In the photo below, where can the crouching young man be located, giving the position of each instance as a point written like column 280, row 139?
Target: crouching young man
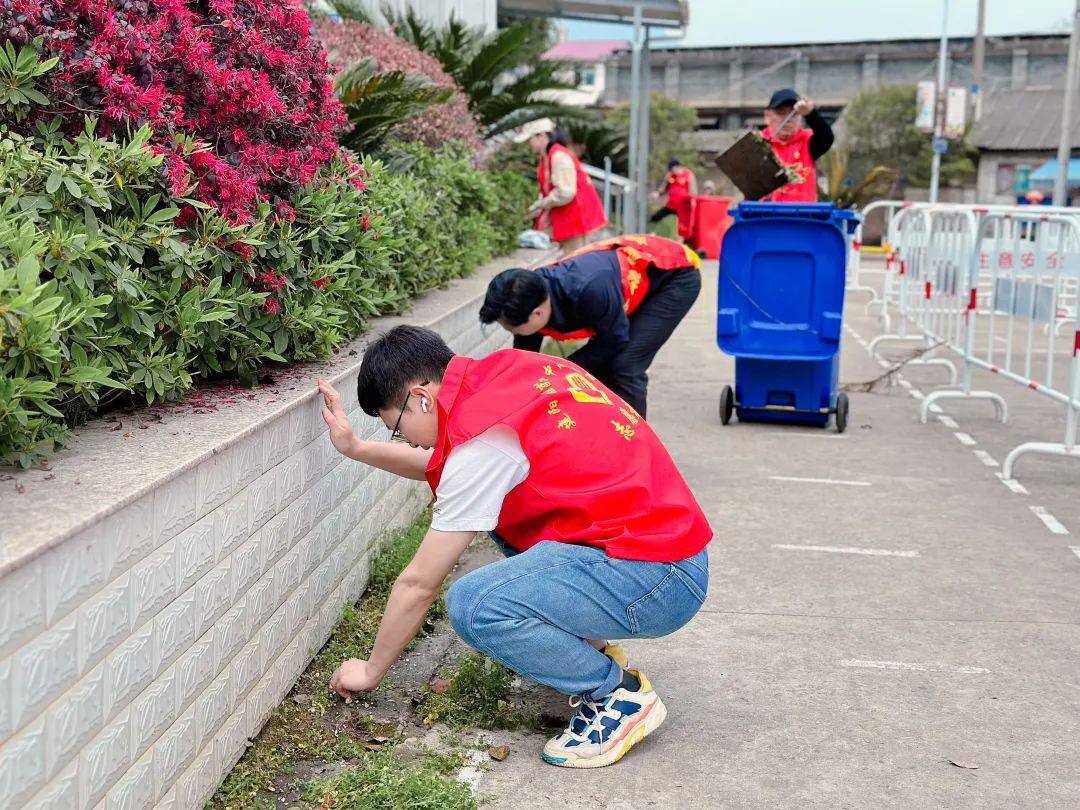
column 603, row 538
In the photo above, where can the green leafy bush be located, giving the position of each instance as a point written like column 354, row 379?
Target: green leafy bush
column 448, row 215
column 110, row 288
column 106, row 284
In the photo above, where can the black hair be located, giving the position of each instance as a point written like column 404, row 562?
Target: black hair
column 557, row 136
column 512, row 296
column 673, row 163
column 402, row 356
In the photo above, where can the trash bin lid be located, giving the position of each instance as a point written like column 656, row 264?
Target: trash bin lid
column 781, row 288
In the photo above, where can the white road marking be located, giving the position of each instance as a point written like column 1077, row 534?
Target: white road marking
column 870, row 552
column 820, row 481
column 1075, row 550
column 883, row 363
column 986, row 458
column 787, row 434
column 936, row 409
column 1051, row 522
column 902, row 665
column 965, row 439
column 915, row 392
column 1013, row 484
column 905, row 383
column 948, row 422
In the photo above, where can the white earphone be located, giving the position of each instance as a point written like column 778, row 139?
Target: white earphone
column 424, row 405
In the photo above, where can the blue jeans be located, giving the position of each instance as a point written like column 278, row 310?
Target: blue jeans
column 533, row 611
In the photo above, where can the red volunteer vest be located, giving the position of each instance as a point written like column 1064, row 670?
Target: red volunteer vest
column 678, row 187
column 796, row 153
column 583, row 214
column 598, row 475
column 635, row 251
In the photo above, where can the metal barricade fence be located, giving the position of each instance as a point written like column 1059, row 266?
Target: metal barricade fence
column 855, row 257
column 1067, row 300
column 944, row 276
column 894, row 236
column 931, row 254
column 898, row 221
column 1027, row 264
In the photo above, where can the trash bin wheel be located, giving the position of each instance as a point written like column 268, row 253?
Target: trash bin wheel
column 841, row 413
column 727, row 404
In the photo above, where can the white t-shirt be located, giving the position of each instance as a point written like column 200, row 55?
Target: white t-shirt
column 476, row 477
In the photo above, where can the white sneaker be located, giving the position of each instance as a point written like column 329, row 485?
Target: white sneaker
column 603, row 730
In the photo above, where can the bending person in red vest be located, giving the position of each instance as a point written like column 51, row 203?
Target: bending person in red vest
column 568, row 203
column 626, row 294
column 679, row 185
column 795, row 145
column 603, row 538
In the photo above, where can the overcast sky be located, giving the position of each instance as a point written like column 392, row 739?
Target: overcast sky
column 725, row 22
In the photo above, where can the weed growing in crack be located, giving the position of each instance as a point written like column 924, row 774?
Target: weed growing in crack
column 478, row 696
column 382, row 782
column 300, row 729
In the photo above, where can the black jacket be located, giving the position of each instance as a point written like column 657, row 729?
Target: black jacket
column 821, row 140
column 586, row 293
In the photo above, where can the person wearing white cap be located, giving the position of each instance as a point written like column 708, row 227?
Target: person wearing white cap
column 568, row 204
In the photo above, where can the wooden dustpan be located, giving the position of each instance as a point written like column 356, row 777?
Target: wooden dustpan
column 752, row 165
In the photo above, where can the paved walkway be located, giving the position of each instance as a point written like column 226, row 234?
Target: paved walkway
column 819, row 677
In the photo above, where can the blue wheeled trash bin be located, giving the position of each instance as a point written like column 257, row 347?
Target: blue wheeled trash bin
column 780, row 312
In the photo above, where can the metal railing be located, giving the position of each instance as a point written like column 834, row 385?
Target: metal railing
column 617, row 193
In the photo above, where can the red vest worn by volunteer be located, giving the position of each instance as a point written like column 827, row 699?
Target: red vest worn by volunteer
column 678, row 187
column 636, row 252
column 795, row 153
column 598, row 475
column 583, row 214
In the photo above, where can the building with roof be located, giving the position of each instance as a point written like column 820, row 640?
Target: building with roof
column 1017, row 137
column 729, row 86
column 589, row 73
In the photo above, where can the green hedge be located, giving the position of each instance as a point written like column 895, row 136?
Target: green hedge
column 103, row 296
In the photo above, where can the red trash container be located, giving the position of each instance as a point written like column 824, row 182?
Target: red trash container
column 709, row 220
column 684, row 215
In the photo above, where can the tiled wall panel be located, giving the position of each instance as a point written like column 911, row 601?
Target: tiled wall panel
column 138, row 657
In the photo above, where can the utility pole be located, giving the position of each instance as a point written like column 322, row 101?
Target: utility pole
column 978, row 63
column 1065, row 144
column 942, row 95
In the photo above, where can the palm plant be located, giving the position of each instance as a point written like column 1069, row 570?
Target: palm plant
column 505, row 85
column 876, row 184
column 376, row 102
column 598, row 140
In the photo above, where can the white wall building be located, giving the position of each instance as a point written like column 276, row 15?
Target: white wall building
column 590, row 71
column 473, row 12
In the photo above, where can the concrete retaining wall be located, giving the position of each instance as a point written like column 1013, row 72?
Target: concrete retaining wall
column 164, row 583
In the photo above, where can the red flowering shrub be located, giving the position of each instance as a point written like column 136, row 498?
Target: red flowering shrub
column 243, row 78
column 349, row 41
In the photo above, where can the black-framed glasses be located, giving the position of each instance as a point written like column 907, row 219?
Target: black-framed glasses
column 395, row 434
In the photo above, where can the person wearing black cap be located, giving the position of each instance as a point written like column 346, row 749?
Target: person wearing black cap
column 796, row 146
column 679, row 184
